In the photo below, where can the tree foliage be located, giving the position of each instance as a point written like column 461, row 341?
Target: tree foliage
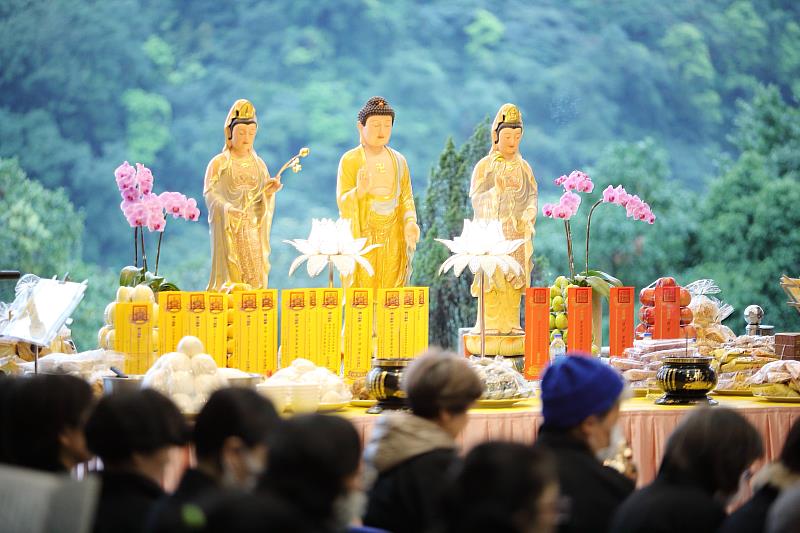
column 640, row 93
column 442, row 215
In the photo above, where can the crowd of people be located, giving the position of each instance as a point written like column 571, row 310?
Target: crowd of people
column 256, row 472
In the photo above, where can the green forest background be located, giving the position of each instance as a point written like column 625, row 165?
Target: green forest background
column 692, row 105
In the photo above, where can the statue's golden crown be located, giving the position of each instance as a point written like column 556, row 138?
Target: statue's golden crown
column 512, row 115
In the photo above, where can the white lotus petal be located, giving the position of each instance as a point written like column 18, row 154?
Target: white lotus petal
column 500, row 248
column 296, row 263
column 346, row 264
column 316, row 264
column 460, row 262
column 364, row 264
column 474, row 263
column 451, row 245
column 488, row 264
column 513, row 264
column 368, row 249
column 447, row 264
column 329, row 247
column 303, row 246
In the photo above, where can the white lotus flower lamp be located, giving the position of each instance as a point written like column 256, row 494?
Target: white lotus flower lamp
column 483, row 248
column 331, row 244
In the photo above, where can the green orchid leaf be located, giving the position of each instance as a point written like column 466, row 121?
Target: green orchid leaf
column 599, row 286
column 168, row 286
column 603, row 275
column 129, row 276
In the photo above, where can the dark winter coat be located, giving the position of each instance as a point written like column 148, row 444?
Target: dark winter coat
column 411, row 457
column 593, row 491
column 126, row 500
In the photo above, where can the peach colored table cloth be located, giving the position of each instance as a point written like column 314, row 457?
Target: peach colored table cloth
column 646, row 425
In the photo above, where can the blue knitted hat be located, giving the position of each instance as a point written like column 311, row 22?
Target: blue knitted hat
column 576, row 387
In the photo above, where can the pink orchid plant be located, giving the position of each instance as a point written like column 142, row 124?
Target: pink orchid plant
column 143, row 208
column 567, row 207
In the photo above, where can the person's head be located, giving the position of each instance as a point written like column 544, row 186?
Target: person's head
column 230, row 436
column 135, row 431
column 790, row 455
column 8, row 385
column 440, row 386
column 507, row 130
column 314, row 463
column 518, row 488
column 375, row 121
column 581, row 396
column 46, row 416
column 241, row 126
column 784, row 514
column 711, row 448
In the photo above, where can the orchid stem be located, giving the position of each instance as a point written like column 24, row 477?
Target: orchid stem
column 158, row 250
column 588, row 227
column 144, row 254
column 569, row 249
column 330, row 274
column 136, row 247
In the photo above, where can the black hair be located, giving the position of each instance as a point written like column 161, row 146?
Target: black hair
column 233, row 412
column 7, row 386
column 125, row 423
column 711, row 448
column 310, row 457
column 38, row 409
column 510, row 478
column 236, row 121
column 377, row 105
column 790, row 455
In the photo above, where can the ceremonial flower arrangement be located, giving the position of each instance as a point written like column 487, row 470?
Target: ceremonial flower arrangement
column 483, row 248
column 331, row 244
column 567, row 207
column 142, row 209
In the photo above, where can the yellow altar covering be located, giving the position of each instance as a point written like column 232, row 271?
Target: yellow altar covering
column 646, row 425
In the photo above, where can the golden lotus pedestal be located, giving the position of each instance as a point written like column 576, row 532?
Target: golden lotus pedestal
column 510, row 346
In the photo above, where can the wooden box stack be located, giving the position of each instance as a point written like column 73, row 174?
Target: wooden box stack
column 787, row 345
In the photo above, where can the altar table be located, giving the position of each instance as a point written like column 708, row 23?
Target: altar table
column 646, row 426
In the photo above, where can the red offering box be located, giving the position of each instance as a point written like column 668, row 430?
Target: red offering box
column 537, row 331
column 668, row 313
column 621, row 319
column 579, row 320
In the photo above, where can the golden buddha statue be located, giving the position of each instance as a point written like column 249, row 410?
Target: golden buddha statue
column 373, row 191
column 503, row 188
column 240, row 195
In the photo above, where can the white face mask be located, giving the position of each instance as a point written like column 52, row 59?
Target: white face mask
column 254, row 468
column 615, row 442
column 349, row 507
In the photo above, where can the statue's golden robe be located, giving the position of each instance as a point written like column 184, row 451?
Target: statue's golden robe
column 239, row 254
column 380, row 219
column 506, row 191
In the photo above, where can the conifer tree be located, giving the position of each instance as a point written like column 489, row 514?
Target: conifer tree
column 444, row 208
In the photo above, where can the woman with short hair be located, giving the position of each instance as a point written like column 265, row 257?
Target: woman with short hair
column 773, row 480
column 707, row 460
column 133, row 434
column 410, row 453
column 43, row 422
column 518, row 488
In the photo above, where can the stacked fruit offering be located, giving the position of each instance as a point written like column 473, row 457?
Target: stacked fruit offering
column 558, row 307
column 106, row 336
column 647, row 312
